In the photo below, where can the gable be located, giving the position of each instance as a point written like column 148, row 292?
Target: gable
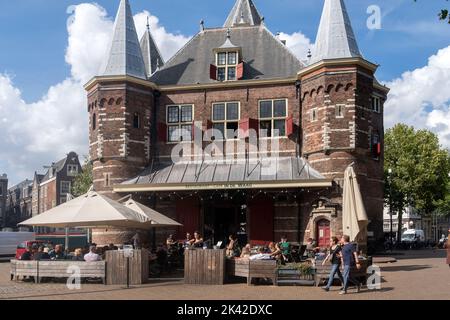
column 265, row 57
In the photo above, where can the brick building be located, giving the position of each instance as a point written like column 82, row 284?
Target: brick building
column 3, row 196
column 18, row 203
column 50, row 189
column 235, row 93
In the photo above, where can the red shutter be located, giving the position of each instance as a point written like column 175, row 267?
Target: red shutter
column 289, row 126
column 213, row 72
column 162, row 132
column 378, row 148
column 254, row 124
column 240, row 71
column 244, row 125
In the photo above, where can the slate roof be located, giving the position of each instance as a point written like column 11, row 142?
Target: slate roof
column 264, row 56
column 243, row 12
column 125, row 56
column 335, row 38
column 287, row 169
column 150, row 52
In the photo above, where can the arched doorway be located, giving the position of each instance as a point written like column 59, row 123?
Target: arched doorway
column 323, row 232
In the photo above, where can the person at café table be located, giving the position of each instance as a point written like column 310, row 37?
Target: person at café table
column 233, row 247
column 275, row 251
column 170, row 241
column 58, row 253
column 78, row 255
column 246, row 251
column 197, row 242
column 92, row 255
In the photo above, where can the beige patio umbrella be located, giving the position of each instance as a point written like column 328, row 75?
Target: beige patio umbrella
column 157, row 219
column 354, row 214
column 91, row 210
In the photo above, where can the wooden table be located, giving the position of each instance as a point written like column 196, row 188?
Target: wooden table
column 204, row 266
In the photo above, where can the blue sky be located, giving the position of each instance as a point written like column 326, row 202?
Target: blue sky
column 34, row 37
column 45, row 59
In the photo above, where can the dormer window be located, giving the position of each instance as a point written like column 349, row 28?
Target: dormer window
column 226, row 66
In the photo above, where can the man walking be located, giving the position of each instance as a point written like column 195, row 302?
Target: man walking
column 349, row 258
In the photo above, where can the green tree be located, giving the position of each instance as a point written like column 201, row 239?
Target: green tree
column 84, row 180
column 444, row 14
column 416, row 171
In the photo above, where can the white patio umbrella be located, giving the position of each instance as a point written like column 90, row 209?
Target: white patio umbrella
column 157, row 219
column 91, row 210
column 355, row 219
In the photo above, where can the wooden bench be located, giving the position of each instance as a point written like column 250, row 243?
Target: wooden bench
column 57, row 269
column 252, row 269
column 323, row 272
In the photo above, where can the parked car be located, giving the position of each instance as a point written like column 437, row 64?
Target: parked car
column 10, row 240
column 413, row 239
column 21, row 248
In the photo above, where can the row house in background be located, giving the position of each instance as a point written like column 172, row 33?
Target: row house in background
column 18, row 203
column 3, row 195
column 51, row 189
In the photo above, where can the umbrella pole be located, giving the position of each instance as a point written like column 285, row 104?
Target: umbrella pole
column 67, row 239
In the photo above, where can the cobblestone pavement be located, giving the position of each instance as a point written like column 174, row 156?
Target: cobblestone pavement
column 416, row 275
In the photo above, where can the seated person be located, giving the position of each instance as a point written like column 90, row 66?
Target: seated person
column 58, row 253
column 275, row 250
column 92, row 255
column 187, row 241
column 112, row 247
column 246, row 251
column 285, row 246
column 233, row 249
column 170, row 241
column 27, row 255
column 78, row 255
column 261, row 255
column 197, row 242
column 41, row 254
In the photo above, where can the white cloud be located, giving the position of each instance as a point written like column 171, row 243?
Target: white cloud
column 298, row 43
column 36, row 134
column 168, row 43
column 421, row 97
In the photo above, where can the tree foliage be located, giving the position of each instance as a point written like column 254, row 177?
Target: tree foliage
column 444, row 14
column 419, row 170
column 84, row 180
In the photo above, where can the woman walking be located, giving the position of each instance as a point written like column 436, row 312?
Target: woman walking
column 335, row 258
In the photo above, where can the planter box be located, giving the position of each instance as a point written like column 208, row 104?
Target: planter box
column 295, row 277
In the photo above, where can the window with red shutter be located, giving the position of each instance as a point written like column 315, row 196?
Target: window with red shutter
column 240, row 71
column 244, row 126
column 289, row 126
column 213, row 72
column 162, row 132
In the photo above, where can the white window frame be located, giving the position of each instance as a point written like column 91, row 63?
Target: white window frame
column 314, row 114
column 376, row 104
column 72, row 173
column 273, row 118
column 340, row 107
column 61, row 187
column 178, row 124
column 227, row 65
column 226, row 121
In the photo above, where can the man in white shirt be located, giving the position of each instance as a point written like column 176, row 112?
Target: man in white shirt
column 92, row 256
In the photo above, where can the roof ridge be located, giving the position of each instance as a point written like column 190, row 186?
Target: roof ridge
column 179, row 51
column 283, row 45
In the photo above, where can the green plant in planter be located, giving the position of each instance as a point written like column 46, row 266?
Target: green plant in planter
column 305, row 269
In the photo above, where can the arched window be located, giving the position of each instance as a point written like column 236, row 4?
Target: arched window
column 94, row 121
column 136, row 121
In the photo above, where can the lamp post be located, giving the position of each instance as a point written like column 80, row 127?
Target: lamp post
column 390, row 206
